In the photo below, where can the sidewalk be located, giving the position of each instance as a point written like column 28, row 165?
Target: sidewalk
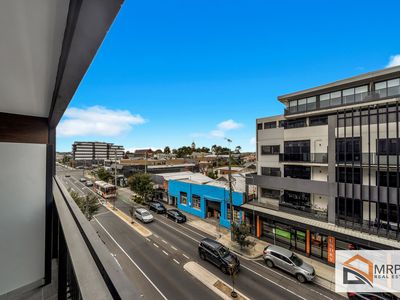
column 325, row 274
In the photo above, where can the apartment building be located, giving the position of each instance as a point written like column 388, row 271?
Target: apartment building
column 328, row 168
column 96, row 151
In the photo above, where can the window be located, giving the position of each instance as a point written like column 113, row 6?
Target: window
column 297, row 151
column 183, row 198
column 319, row 120
column 302, row 105
column 293, row 106
column 336, row 98
column 259, row 126
column 266, row 171
column 270, row 193
column 344, row 209
column 324, row 100
column 297, row 172
column 282, row 123
column 196, row 201
column 382, row 178
column 388, row 88
column 388, row 146
column 348, row 175
column 348, row 96
column 383, row 213
column 236, row 215
column 270, row 150
column 360, row 93
column 348, row 149
column 297, row 200
column 311, row 103
column 295, row 123
column 268, row 125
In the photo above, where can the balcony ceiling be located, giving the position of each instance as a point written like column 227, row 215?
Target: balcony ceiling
column 31, row 35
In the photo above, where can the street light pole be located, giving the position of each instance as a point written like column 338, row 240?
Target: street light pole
column 115, row 176
column 230, row 185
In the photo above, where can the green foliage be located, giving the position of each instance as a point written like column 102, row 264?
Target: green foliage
column 167, row 150
column 88, row 204
column 212, row 174
column 184, row 151
column 240, row 233
column 66, row 160
column 103, row 174
column 218, row 150
column 137, row 199
column 141, row 184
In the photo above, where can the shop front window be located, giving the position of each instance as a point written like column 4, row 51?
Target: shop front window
column 183, row 198
column 319, row 245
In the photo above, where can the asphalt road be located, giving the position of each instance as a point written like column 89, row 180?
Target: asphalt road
column 156, row 264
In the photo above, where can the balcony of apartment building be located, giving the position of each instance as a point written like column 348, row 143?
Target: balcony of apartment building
column 48, row 248
column 352, row 92
column 298, row 152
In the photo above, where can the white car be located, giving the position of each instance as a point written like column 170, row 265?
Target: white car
column 143, row 215
column 89, row 183
column 83, row 179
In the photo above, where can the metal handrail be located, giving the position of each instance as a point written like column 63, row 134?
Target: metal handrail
column 321, row 158
column 98, row 276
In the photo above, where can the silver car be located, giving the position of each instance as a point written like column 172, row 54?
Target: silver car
column 143, row 215
column 275, row 256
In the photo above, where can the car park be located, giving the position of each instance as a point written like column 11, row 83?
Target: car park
column 158, row 207
column 219, row 255
column 176, row 215
column 143, row 215
column 275, row 256
column 82, row 179
column 89, row 183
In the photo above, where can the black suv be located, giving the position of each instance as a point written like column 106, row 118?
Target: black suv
column 219, row 255
column 157, row 207
column 176, row 215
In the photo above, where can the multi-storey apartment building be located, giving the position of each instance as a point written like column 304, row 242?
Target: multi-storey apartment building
column 328, row 168
column 96, row 151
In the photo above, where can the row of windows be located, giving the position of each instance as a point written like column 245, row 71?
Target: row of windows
column 297, row 123
column 347, row 96
column 195, row 200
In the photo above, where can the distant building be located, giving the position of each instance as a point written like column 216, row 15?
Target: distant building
column 96, row 151
column 143, row 153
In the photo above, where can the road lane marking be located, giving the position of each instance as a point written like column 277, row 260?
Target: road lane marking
column 115, row 257
column 273, row 282
column 165, row 252
column 156, row 235
column 136, row 265
column 164, row 241
column 155, row 245
column 174, row 248
column 176, row 261
column 186, row 256
column 147, row 239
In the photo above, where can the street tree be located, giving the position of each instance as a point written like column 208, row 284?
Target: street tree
column 88, row 204
column 141, row 184
column 167, row 150
column 240, row 234
column 103, row 174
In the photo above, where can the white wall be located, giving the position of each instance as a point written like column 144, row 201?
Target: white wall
column 319, row 173
column 318, row 136
column 320, row 202
column 22, row 214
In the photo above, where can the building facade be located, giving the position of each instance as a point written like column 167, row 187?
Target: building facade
column 328, row 168
column 96, row 151
column 206, row 200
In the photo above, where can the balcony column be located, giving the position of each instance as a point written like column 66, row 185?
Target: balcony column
column 332, row 122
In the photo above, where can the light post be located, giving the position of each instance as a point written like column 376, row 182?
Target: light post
column 230, row 186
column 115, row 177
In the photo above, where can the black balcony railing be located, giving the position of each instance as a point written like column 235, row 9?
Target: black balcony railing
column 86, row 270
column 303, row 211
column 345, row 100
column 366, row 158
column 321, row 158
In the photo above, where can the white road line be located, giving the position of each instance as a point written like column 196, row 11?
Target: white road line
column 113, row 255
column 174, row 248
column 156, row 235
column 186, row 256
column 176, row 261
column 122, row 249
column 277, row 284
column 293, row 280
column 147, row 239
column 164, row 241
column 165, row 252
column 155, row 245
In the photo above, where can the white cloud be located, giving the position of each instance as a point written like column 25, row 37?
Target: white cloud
column 394, row 61
column 229, row 125
column 253, row 140
column 217, row 133
column 98, row 121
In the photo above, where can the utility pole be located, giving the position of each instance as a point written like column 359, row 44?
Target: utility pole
column 115, row 176
column 230, row 185
column 145, row 162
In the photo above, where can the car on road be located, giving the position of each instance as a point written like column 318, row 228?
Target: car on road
column 67, row 175
column 275, row 256
column 158, row 207
column 219, row 255
column 176, row 215
column 372, row 296
column 82, row 179
column 89, row 183
column 143, row 215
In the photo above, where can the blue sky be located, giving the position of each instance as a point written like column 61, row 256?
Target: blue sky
column 171, row 72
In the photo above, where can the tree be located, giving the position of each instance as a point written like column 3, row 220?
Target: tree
column 158, row 151
column 167, row 150
column 141, row 184
column 103, row 174
column 212, row 174
column 205, row 150
column 88, row 204
column 240, row 233
column 238, row 149
column 131, row 212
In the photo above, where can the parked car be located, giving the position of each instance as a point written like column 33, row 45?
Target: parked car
column 143, row 215
column 67, row 175
column 372, row 296
column 176, row 215
column 82, row 179
column 157, row 207
column 219, row 255
column 89, row 183
column 275, row 256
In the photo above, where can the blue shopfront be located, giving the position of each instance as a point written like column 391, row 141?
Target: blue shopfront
column 206, row 201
